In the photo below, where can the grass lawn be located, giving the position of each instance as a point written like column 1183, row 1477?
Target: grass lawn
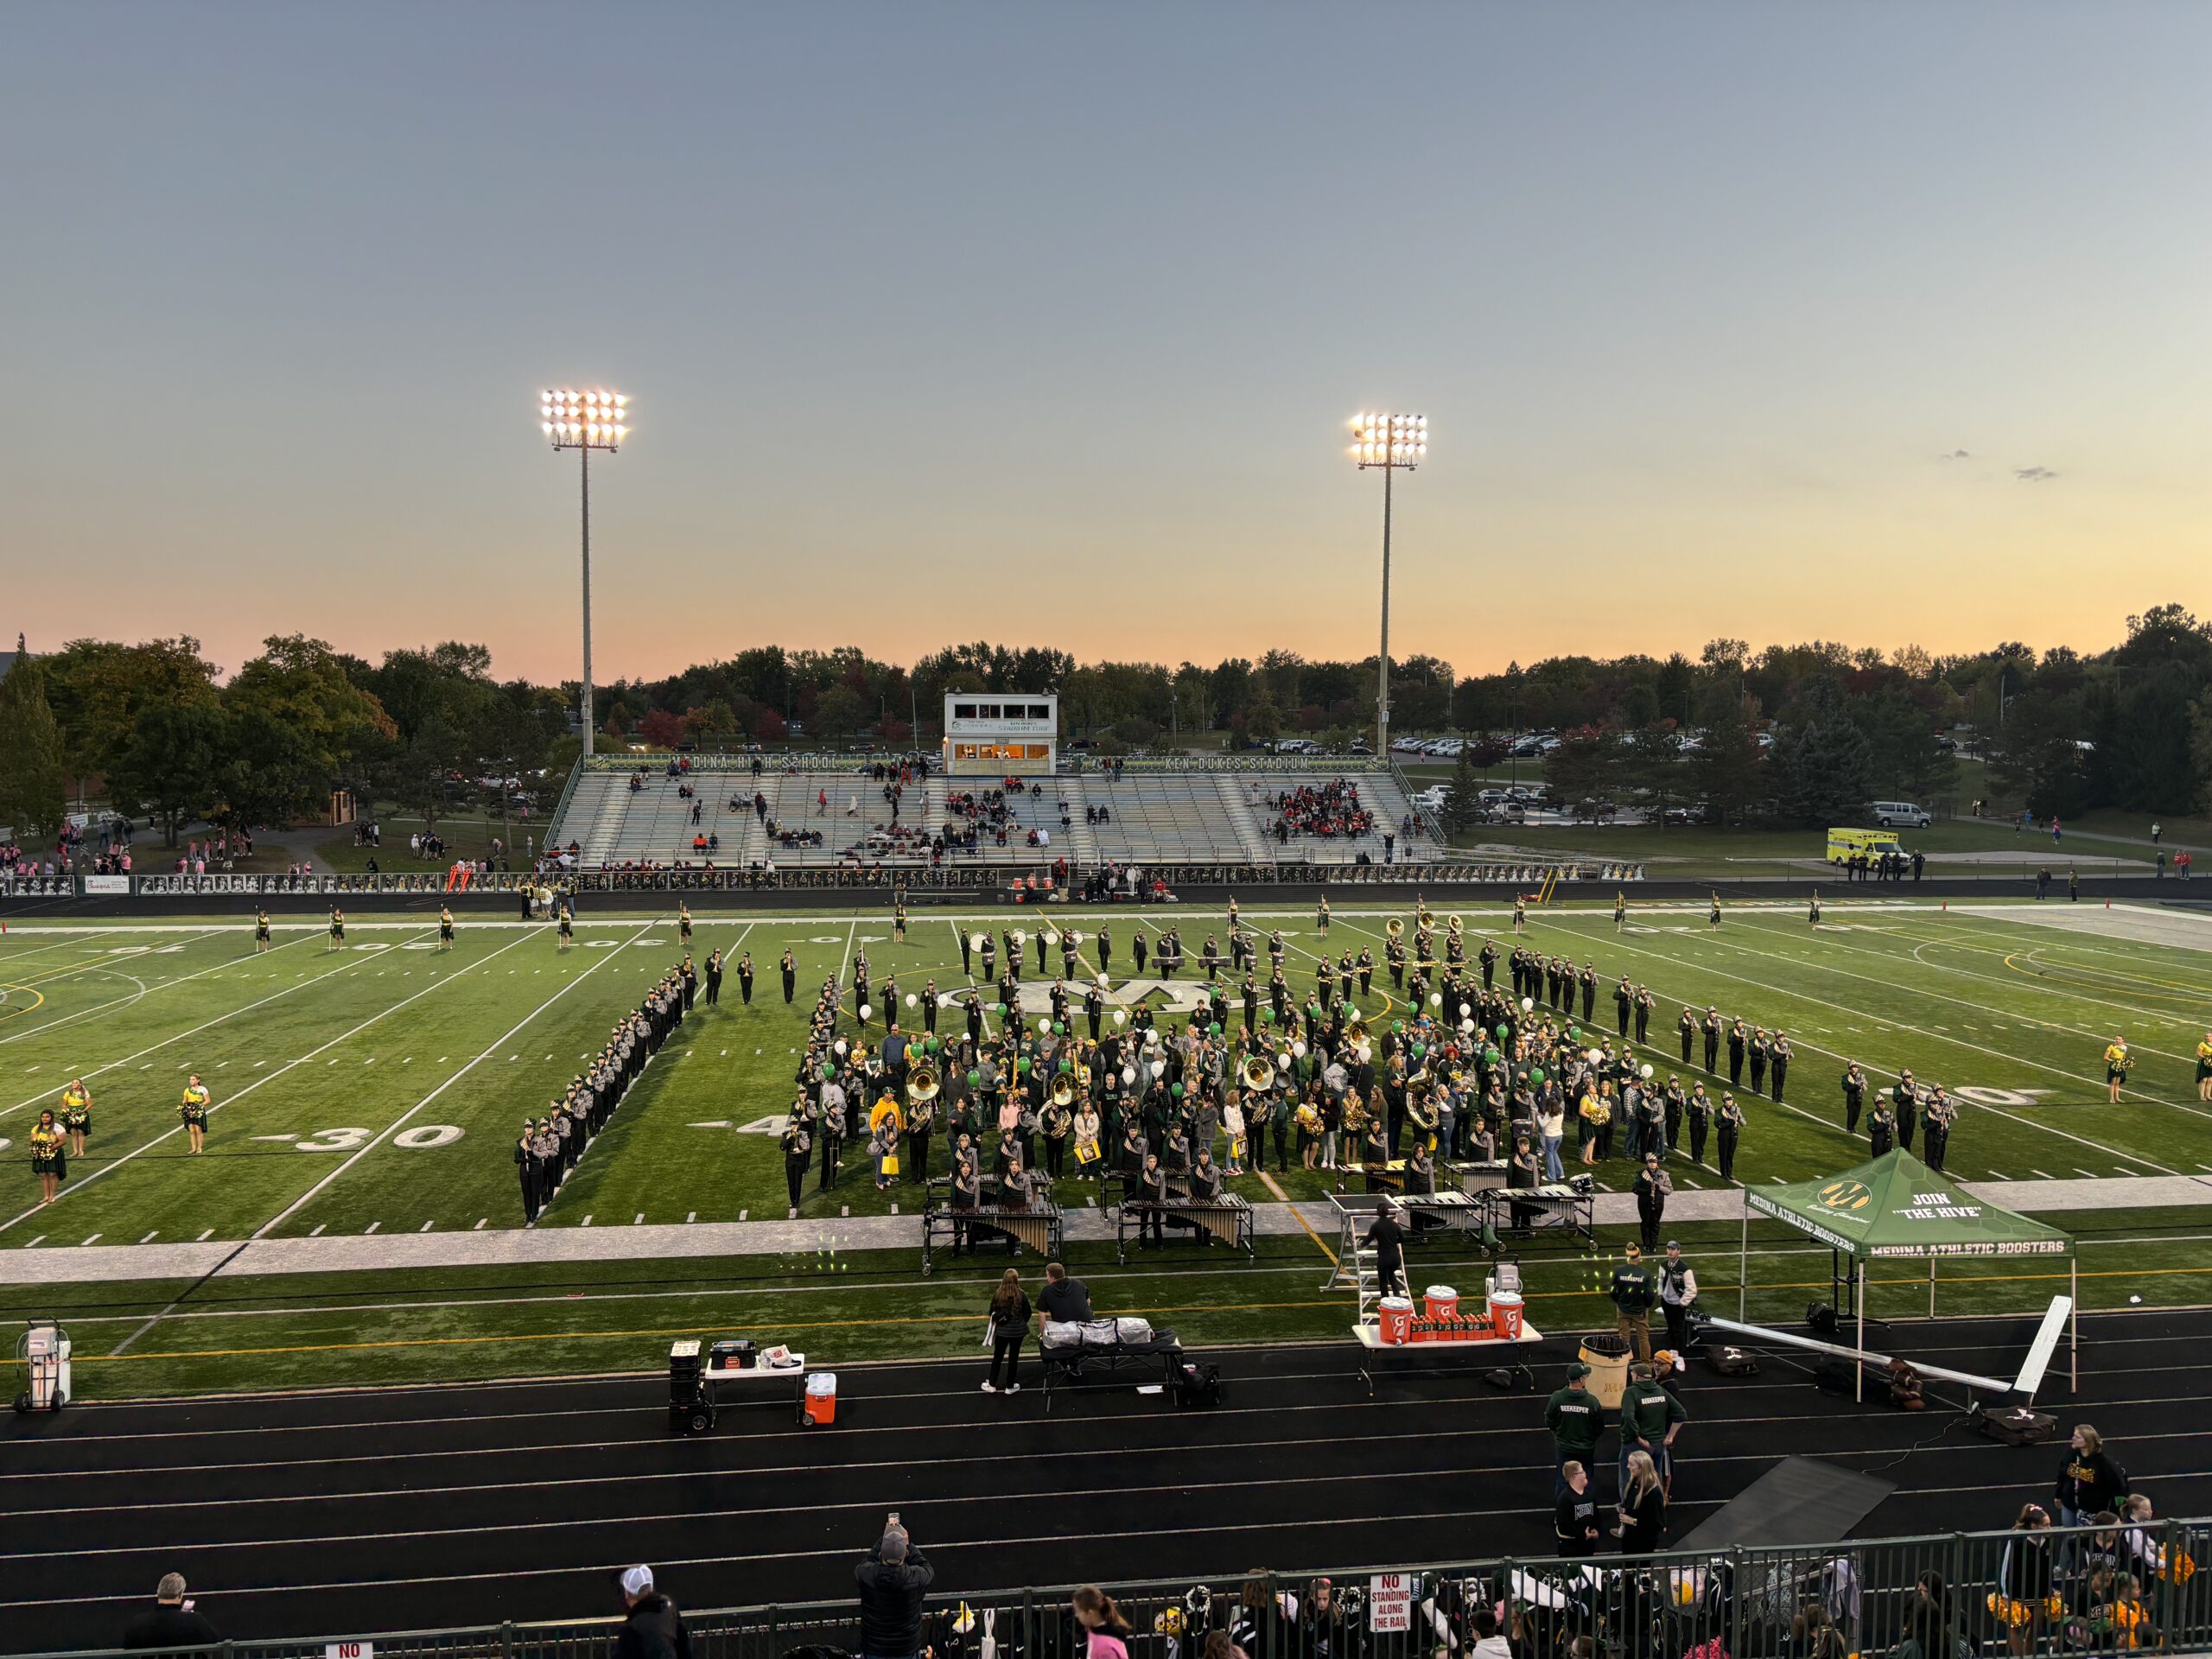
column 377, row 1090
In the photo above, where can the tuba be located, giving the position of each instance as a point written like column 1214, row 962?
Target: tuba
column 923, row 1083
column 1258, row 1072
column 1356, row 1031
column 1062, row 1089
column 1394, row 927
column 1452, row 923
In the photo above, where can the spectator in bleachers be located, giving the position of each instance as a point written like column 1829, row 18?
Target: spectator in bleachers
column 172, row 1622
column 651, row 1628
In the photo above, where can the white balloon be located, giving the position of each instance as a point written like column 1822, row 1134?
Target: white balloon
column 841, row 1046
column 1366, row 1051
column 1129, row 1076
column 1526, row 1003
column 1596, row 1055
column 942, row 1000
column 1644, row 1069
column 1466, row 1009
column 1121, row 1016
column 1298, row 1049
column 912, row 1000
column 1282, row 1062
column 865, row 1012
column 1044, row 1022
column 1436, row 999
column 1104, row 981
column 1467, row 1026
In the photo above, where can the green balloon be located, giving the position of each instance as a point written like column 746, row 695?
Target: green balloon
column 827, row 1072
column 1490, row 1057
column 1176, row 1089
column 1067, row 1065
column 1022, row 1066
column 1060, row 1029
column 932, row 1044
column 1535, row 1074
column 998, row 1008
column 1503, row 1031
column 1420, row 1049
column 1267, row 1016
column 1214, row 1028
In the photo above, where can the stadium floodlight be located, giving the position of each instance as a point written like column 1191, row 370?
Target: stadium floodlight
column 585, row 420
column 1396, row 443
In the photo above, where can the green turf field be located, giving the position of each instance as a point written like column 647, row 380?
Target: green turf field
column 378, row 1088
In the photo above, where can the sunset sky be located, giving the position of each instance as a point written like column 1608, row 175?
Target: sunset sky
column 1041, row 324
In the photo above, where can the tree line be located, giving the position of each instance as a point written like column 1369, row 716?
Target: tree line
column 1793, row 733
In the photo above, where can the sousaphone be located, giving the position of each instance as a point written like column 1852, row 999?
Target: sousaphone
column 1258, row 1072
column 1063, row 1090
column 923, row 1083
column 1394, row 927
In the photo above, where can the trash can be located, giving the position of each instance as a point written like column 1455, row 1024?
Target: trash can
column 822, row 1397
column 1607, row 1355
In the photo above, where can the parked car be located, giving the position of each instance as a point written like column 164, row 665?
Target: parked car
column 1432, row 799
column 1893, row 814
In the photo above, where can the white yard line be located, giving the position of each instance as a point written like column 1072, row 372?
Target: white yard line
column 400, row 1122
column 109, row 1169
column 143, row 992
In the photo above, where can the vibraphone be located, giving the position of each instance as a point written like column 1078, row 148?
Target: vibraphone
column 1568, row 1204
column 1479, row 1174
column 1227, row 1218
column 1041, row 1225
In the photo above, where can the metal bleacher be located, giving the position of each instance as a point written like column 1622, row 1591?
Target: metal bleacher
column 1154, row 817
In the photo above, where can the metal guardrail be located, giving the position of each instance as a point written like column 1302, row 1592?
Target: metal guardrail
column 560, row 807
column 1438, row 873
column 2135, row 1590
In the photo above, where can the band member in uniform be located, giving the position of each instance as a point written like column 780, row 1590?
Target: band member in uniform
column 1623, row 1005
column 1739, row 1041
column 1210, row 958
column 991, row 957
column 1686, row 1029
column 445, row 927
column 788, row 968
column 260, row 930
column 1711, row 1026
column 2115, row 1068
column 1777, row 1061
column 1881, row 1128
column 967, row 952
column 1936, row 1143
column 1488, row 957
column 713, row 972
column 798, row 1151
column 526, row 1171
column 49, row 1157
column 76, row 1115
column 1854, row 1097
column 1653, row 1184
column 1698, row 1109
column 1645, row 1001
column 1731, row 1118
column 338, row 933
column 194, row 1111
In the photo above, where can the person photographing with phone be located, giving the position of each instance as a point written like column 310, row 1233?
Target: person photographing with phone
column 893, row 1579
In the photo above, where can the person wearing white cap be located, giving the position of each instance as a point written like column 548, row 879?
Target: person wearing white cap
column 651, row 1628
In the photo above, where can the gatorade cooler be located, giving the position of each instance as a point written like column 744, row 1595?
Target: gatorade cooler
column 822, row 1397
column 1398, row 1319
column 1439, row 1302
column 1505, row 1315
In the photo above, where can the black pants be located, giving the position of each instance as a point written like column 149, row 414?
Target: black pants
column 1781, row 1071
column 1727, row 1155
column 1282, row 1146
column 1649, row 1217
column 1006, row 1349
column 1935, row 1144
column 529, row 1194
column 787, row 990
column 918, row 1150
column 1055, row 1151
column 795, row 1177
column 1697, row 1139
column 714, row 992
column 1678, row 1327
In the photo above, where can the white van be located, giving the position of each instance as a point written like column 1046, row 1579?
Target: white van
column 1893, row 814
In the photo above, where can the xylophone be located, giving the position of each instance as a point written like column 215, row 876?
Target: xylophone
column 1039, row 1225
column 1227, row 1218
column 1568, row 1204
column 1480, row 1174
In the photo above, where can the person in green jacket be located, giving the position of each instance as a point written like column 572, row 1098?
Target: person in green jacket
column 1576, row 1418
column 1650, row 1418
column 1632, row 1294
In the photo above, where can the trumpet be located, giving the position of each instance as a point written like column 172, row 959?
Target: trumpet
column 1258, row 1072
column 1063, row 1090
column 922, row 1083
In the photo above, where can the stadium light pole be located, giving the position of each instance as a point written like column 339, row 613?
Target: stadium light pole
column 1396, row 443
column 583, row 422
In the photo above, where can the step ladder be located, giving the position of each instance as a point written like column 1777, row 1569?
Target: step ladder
column 1355, row 1268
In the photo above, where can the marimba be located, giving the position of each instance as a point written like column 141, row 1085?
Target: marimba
column 1555, row 1203
column 1039, row 1225
column 1227, row 1218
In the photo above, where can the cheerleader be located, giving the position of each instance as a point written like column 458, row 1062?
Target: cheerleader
column 445, row 927
column 683, row 924
column 49, row 1157
column 1620, row 912
column 1321, row 918
column 2116, row 1069
column 337, row 929
column 193, row 1110
column 2204, row 1068
column 566, row 931
column 76, row 1115
column 260, row 930
column 1712, row 912
column 1813, row 914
